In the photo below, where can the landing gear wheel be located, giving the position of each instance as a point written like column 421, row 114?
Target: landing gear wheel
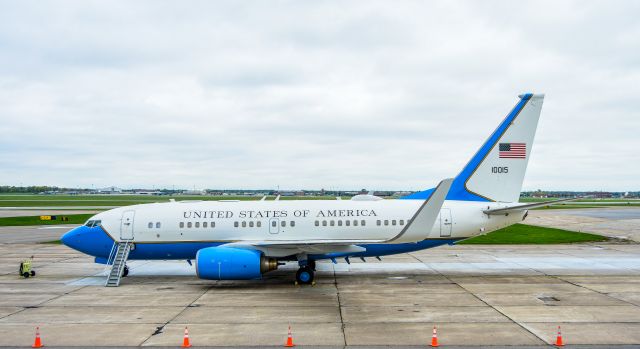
column 304, row 276
column 125, row 272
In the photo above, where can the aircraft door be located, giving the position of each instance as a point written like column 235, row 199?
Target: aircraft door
column 126, row 225
column 274, row 226
column 446, row 223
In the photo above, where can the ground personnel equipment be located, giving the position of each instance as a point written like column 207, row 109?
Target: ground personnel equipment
column 25, row 268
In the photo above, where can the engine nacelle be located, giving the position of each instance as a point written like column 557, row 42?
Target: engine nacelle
column 222, row 263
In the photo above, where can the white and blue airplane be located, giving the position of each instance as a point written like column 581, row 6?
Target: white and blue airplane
column 235, row 240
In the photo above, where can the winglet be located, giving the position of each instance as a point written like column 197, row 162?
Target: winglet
column 422, row 221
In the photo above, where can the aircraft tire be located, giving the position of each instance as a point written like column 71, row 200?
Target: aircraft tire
column 125, row 271
column 305, row 276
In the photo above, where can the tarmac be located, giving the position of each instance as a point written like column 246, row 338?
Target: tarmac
column 489, row 295
column 498, row 296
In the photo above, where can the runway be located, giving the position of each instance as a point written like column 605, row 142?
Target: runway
column 475, row 295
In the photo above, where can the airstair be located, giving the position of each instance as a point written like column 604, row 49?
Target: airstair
column 118, row 260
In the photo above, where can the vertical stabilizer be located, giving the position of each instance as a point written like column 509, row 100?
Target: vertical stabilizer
column 496, row 171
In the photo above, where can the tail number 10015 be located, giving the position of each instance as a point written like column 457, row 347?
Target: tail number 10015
column 497, row 169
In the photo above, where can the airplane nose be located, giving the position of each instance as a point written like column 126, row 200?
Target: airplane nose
column 72, row 237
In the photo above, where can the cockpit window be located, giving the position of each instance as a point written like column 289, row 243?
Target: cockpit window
column 93, row 223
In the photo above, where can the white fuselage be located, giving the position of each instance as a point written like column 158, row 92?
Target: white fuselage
column 294, row 220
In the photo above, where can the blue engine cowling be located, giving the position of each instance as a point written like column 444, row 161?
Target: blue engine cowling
column 227, row 263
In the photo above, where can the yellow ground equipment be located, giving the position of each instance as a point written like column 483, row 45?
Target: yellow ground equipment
column 25, row 268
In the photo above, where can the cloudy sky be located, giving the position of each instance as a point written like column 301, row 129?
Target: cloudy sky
column 314, row 94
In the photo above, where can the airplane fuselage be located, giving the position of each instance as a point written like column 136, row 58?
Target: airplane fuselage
column 176, row 230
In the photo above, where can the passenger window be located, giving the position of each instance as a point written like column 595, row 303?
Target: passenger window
column 150, row 225
column 393, row 222
column 235, row 224
column 283, row 223
column 204, row 224
column 378, row 222
column 317, row 223
column 362, row 222
column 355, row 223
column 332, row 223
column 324, row 223
column 347, row 223
column 188, row 224
column 402, row 222
column 258, row 224
column 251, row 224
column 213, row 224
column 158, row 225
column 274, row 224
column 340, row 222
column 386, row 222
column 181, row 224
column 244, row 224
column 197, row 224
column 292, row 223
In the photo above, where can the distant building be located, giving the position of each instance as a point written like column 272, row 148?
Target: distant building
column 194, row 192
column 108, row 190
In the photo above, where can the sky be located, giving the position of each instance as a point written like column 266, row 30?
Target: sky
column 383, row 95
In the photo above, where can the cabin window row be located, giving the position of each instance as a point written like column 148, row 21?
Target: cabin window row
column 198, row 225
column 258, row 224
column 339, row 222
column 246, row 224
column 150, row 225
column 390, row 222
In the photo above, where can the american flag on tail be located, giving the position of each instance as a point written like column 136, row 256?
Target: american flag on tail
column 513, row 150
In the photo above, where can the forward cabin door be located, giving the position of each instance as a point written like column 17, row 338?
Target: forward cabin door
column 274, row 226
column 126, row 225
column 445, row 222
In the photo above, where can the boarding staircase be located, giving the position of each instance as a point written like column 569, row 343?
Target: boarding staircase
column 118, row 260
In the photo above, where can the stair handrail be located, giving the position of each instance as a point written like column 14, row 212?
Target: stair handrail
column 112, row 257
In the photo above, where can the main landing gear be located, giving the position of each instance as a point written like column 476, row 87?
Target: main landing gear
column 125, row 271
column 306, row 273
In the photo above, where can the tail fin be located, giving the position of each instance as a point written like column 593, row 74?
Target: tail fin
column 496, row 171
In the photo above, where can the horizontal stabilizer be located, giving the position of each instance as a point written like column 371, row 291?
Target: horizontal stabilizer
column 525, row 207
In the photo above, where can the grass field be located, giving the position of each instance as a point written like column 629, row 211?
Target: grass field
column 124, row 200
column 70, row 201
column 35, row 220
column 528, row 234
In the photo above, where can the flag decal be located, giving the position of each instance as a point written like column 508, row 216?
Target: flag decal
column 513, row 150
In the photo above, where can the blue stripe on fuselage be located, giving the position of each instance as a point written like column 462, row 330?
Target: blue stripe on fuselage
column 458, row 190
column 96, row 242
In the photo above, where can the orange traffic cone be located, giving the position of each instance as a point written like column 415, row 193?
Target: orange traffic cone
column 559, row 342
column 289, row 342
column 434, row 338
column 185, row 342
column 38, row 342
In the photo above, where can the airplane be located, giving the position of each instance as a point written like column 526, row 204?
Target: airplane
column 243, row 240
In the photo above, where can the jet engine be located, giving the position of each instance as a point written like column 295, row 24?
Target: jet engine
column 228, row 263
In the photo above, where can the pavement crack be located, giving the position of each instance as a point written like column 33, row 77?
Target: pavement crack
column 160, row 329
column 335, row 284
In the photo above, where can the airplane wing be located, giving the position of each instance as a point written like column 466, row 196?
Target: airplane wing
column 415, row 230
column 518, row 208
